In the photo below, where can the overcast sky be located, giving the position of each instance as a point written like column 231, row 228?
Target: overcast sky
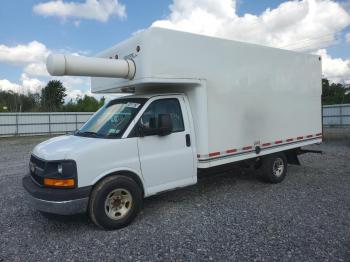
column 30, row 30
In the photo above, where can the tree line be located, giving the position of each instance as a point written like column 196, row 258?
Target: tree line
column 335, row 93
column 52, row 99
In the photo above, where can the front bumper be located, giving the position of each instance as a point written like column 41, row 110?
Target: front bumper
column 57, row 201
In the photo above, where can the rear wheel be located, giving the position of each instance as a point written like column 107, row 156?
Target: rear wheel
column 274, row 168
column 115, row 202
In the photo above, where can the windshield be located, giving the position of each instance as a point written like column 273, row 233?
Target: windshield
column 112, row 119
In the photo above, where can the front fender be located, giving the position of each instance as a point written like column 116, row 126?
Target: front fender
column 120, row 170
column 106, row 156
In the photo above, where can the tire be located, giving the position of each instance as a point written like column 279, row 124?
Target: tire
column 115, row 202
column 274, row 168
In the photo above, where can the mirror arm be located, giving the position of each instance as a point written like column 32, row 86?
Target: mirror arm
column 162, row 132
column 140, row 131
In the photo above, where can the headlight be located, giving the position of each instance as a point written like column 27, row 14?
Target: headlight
column 59, row 168
column 60, row 174
column 57, row 173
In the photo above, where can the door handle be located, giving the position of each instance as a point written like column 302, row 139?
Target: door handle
column 188, row 140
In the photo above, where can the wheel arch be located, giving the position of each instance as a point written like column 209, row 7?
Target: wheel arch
column 127, row 173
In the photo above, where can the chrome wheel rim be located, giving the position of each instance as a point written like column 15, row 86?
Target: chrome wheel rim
column 118, row 203
column 278, row 167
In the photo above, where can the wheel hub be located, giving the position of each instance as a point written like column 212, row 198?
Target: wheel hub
column 118, row 203
column 278, row 167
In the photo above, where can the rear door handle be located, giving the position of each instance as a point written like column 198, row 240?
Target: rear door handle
column 188, row 140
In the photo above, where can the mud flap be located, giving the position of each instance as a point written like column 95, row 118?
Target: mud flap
column 292, row 157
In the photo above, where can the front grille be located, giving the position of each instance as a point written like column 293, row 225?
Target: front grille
column 36, row 168
column 39, row 180
column 38, row 162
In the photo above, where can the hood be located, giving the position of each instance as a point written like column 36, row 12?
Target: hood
column 58, row 148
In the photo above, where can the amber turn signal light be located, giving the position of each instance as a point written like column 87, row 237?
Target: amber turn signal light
column 59, row 182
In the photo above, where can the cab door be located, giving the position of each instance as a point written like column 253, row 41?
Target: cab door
column 167, row 161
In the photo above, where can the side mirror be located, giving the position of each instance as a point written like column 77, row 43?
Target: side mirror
column 164, row 124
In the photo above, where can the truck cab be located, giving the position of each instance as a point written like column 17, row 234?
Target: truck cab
column 146, row 142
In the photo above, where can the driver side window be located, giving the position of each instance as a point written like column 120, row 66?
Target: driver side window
column 171, row 106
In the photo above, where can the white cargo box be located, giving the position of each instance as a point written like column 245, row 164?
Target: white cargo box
column 242, row 96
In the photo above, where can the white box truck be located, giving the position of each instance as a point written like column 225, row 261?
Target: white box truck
column 196, row 103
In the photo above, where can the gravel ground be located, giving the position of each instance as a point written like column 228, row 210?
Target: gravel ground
column 231, row 216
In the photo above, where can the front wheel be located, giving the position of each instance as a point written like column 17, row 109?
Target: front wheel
column 274, row 168
column 115, row 202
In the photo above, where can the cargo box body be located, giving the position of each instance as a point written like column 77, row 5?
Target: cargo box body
column 246, row 100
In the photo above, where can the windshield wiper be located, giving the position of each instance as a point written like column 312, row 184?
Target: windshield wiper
column 113, row 134
column 87, row 133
